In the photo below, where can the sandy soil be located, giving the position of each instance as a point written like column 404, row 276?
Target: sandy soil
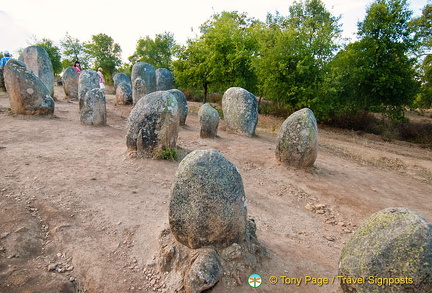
column 78, row 215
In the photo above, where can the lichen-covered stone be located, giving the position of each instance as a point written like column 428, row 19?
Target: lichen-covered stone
column 27, row 93
column 240, row 110
column 119, row 78
column 2, row 84
column 124, row 94
column 204, row 272
column 37, row 59
column 164, row 79
column 208, row 204
column 182, row 105
column 70, row 83
column 393, row 244
column 93, row 111
column 88, row 80
column 143, row 80
column 297, row 141
column 209, row 120
column 153, row 124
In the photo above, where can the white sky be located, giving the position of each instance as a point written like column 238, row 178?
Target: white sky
column 128, row 20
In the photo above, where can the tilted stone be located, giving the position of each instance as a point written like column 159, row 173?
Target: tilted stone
column 164, row 79
column 93, row 111
column 240, row 109
column 392, row 244
column 153, row 124
column 37, row 59
column 182, row 105
column 27, row 93
column 207, row 204
column 70, row 83
column 209, row 120
column 297, row 140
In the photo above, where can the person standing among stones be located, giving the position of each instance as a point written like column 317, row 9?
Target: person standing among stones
column 101, row 78
column 6, row 58
column 77, row 67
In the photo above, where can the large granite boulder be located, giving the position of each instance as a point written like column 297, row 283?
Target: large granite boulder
column 93, row 111
column 88, row 80
column 27, row 93
column 153, row 124
column 143, row 80
column 207, row 204
column 209, row 120
column 240, row 109
column 70, row 83
column 37, row 59
column 182, row 105
column 123, row 93
column 119, row 78
column 297, row 141
column 164, row 79
column 390, row 252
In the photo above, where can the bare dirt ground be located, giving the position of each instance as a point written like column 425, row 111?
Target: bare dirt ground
column 78, row 215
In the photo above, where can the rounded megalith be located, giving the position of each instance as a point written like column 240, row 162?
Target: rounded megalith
column 207, row 203
column 297, row 140
column 390, row 252
column 240, row 110
column 143, row 78
column 153, row 124
column 88, row 80
column 38, row 60
column 164, row 79
column 209, row 120
column 123, row 93
column 182, row 105
column 93, row 111
column 119, row 78
column 27, row 93
column 70, row 83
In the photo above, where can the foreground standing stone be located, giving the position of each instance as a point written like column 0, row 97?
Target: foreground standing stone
column 93, row 111
column 153, row 124
column 37, row 59
column 70, row 83
column 182, row 105
column 209, row 120
column 27, row 93
column 88, row 80
column 240, row 109
column 391, row 252
column 143, row 80
column 297, row 141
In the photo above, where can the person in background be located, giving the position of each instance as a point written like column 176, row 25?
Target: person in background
column 101, row 78
column 77, row 67
column 6, row 58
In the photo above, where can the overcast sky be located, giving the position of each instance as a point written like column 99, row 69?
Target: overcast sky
column 128, row 20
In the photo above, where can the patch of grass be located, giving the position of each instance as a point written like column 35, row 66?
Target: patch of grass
column 169, row 154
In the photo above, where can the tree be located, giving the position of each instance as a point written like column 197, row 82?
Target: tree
column 294, row 53
column 73, row 50
column 221, row 57
column 157, row 52
column 378, row 72
column 104, row 53
column 53, row 53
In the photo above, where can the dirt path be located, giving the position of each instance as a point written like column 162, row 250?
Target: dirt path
column 77, row 213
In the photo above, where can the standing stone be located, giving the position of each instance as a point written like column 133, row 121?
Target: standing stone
column 2, row 83
column 88, row 80
column 208, row 203
column 182, row 105
column 124, row 93
column 37, row 59
column 70, row 83
column 393, row 244
column 297, row 141
column 27, row 93
column 209, row 120
column 93, row 111
column 143, row 80
column 119, row 78
column 153, row 124
column 240, row 109
column 164, row 79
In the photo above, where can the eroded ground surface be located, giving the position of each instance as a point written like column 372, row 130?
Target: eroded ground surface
column 78, row 215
